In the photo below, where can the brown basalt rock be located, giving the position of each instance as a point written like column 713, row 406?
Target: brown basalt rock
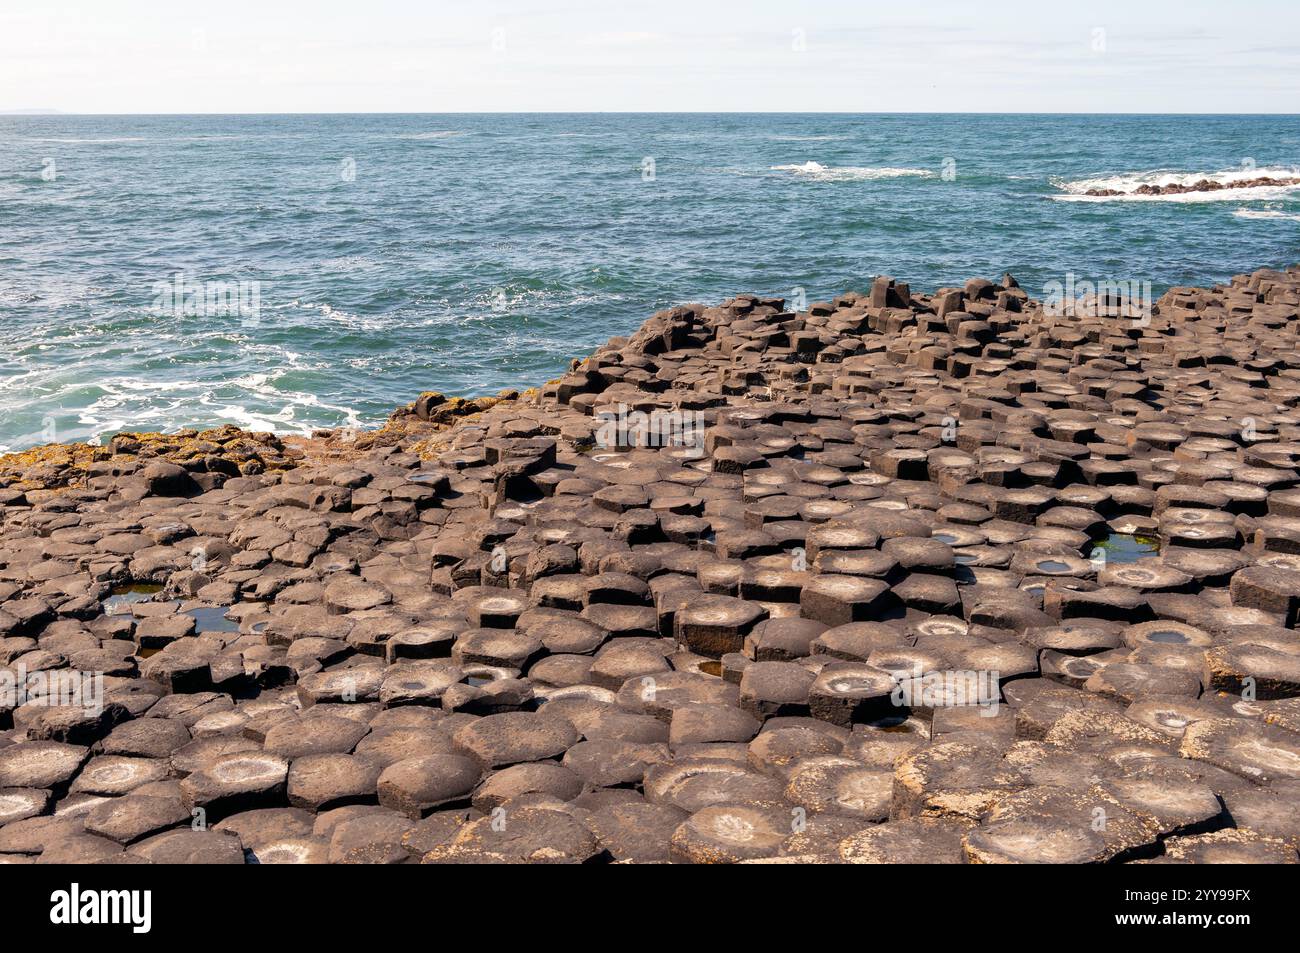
column 746, row 631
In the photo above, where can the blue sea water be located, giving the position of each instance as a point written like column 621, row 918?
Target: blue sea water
column 383, row 255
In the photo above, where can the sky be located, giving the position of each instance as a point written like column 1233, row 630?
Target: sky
column 148, row 56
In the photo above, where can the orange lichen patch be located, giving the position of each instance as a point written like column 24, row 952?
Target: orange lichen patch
column 413, row 428
column 439, row 410
column 418, row 427
column 188, row 444
column 54, row 454
column 225, row 449
column 423, row 427
column 430, row 448
column 34, row 468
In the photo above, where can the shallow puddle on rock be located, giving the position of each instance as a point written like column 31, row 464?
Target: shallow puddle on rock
column 893, row 723
column 1080, row 667
column 1053, row 565
column 213, row 620
column 123, row 596
column 478, row 681
column 1128, row 547
column 1171, row 719
column 711, row 667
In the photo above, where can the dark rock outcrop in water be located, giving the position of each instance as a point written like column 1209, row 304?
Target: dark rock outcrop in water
column 1201, row 185
column 856, row 584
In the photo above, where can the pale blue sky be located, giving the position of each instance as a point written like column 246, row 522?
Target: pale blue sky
column 137, row 56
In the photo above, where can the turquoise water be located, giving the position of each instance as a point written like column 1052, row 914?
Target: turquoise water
column 468, row 253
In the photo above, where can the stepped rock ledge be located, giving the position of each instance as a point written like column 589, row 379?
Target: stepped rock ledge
column 902, row 577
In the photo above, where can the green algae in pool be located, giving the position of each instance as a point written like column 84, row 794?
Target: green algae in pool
column 123, row 596
column 212, row 619
column 1128, row 547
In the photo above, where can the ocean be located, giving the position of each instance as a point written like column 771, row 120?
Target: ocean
column 288, row 273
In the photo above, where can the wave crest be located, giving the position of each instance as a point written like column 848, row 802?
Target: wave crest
column 824, row 173
column 1254, row 213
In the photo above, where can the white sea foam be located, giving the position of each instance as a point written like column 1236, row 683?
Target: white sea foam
column 1266, row 213
column 110, row 140
column 824, row 173
column 251, row 401
column 785, row 138
column 1129, row 182
column 347, row 319
column 64, row 140
column 435, row 134
column 351, row 263
column 260, row 385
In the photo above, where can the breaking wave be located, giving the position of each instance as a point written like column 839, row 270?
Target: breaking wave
column 1230, row 185
column 1266, row 213
column 824, row 173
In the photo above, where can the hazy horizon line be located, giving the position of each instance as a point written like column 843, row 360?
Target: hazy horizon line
column 55, row 113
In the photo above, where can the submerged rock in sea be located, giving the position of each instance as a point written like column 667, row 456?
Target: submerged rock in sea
column 1200, row 185
column 901, row 577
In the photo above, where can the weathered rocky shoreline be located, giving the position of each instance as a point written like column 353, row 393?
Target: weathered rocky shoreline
column 491, row 632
